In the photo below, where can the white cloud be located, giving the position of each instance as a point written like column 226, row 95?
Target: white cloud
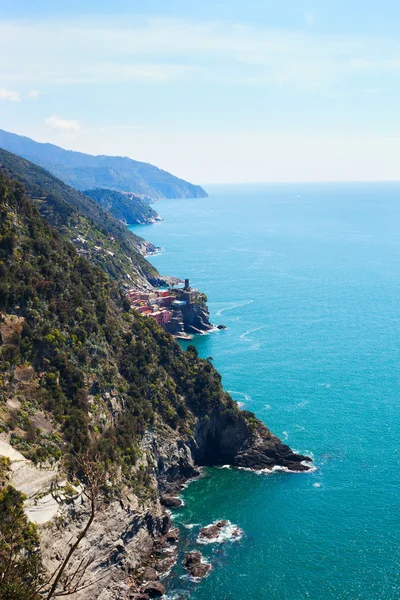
column 163, row 50
column 63, row 125
column 33, row 94
column 9, row 95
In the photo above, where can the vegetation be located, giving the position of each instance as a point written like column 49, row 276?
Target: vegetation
column 21, row 569
column 128, row 208
column 96, row 233
column 72, row 352
column 102, row 371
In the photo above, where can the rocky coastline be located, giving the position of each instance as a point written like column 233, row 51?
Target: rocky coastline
column 134, row 542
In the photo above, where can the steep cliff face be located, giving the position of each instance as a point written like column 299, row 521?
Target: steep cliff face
column 83, row 374
column 196, row 318
column 129, row 534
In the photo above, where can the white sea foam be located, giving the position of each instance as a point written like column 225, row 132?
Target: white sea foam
column 246, row 333
column 247, row 397
column 191, row 525
column 316, row 485
column 224, row 467
column 219, row 312
column 229, row 533
column 285, row 434
column 280, row 469
column 241, row 404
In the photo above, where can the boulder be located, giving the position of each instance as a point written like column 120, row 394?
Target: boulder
column 193, row 563
column 171, row 501
column 213, row 531
column 154, row 589
column 221, row 326
column 172, row 535
column 209, row 532
column 150, row 574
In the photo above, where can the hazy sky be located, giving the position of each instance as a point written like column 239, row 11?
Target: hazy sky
column 228, row 91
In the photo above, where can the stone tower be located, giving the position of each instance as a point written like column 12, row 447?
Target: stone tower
column 187, row 286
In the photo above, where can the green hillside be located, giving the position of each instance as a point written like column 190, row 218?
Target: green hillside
column 97, row 234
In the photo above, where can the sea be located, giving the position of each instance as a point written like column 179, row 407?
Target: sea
column 306, row 278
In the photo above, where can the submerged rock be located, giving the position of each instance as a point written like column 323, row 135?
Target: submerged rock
column 221, row 326
column 196, row 565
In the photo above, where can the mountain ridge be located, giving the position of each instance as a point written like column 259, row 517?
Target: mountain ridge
column 86, row 171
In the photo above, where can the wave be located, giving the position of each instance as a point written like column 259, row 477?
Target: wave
column 219, row 312
column 279, row 469
column 246, row 397
column 243, row 336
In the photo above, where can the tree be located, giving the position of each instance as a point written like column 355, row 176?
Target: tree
column 21, row 569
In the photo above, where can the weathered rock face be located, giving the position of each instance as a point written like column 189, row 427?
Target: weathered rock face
column 154, row 589
column 196, row 318
column 225, row 438
column 128, row 533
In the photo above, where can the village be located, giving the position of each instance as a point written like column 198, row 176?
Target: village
column 169, row 307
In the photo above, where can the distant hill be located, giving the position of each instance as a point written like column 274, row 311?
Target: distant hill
column 96, row 233
column 127, row 207
column 84, row 171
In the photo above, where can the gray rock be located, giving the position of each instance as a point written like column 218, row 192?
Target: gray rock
column 193, row 563
column 150, row 574
column 171, row 501
column 154, row 589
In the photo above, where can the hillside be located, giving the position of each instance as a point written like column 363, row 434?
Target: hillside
column 84, row 171
column 96, row 233
column 90, row 391
column 126, row 207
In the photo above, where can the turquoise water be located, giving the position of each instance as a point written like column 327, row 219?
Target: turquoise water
column 307, row 280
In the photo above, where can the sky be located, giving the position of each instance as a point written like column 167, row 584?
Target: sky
column 214, row 92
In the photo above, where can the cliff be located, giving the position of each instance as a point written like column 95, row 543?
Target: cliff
column 89, row 388
column 126, row 207
column 84, row 171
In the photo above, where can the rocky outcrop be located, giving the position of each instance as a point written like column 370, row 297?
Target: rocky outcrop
column 240, row 440
column 171, row 501
column 130, row 533
column 196, row 318
column 154, row 589
column 196, row 565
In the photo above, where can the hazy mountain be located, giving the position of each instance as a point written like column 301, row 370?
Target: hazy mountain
column 85, row 171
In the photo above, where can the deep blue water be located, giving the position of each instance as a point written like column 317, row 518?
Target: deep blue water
column 307, row 279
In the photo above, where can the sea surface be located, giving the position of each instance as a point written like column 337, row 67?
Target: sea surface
column 306, row 277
